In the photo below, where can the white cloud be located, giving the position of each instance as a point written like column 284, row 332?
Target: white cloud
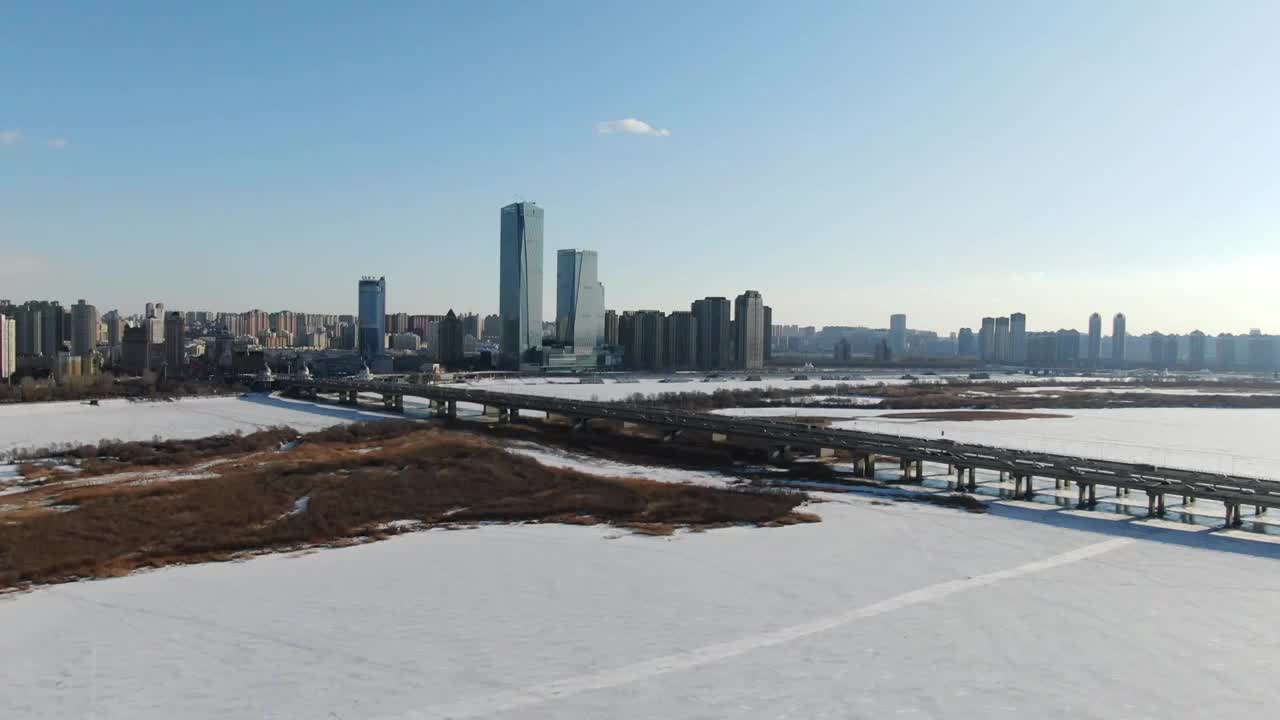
column 58, row 143
column 630, row 126
column 10, row 137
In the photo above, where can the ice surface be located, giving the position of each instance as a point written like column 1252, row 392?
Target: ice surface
column 1226, row 440
column 30, row 425
column 879, row 611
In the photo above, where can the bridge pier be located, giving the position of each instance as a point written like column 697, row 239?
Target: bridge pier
column 919, row 471
column 973, row 481
column 451, row 409
column 1233, row 514
column 1159, row 504
column 1080, row 495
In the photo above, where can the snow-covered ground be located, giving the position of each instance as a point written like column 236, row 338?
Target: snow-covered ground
column 40, row 424
column 1239, row 441
column 882, row 610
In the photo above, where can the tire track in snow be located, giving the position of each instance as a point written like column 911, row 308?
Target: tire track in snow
column 546, row 692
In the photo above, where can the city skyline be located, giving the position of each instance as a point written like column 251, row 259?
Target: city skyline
column 926, row 145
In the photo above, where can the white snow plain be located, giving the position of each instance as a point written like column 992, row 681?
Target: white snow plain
column 1224, row 440
column 881, row 610
column 30, row 425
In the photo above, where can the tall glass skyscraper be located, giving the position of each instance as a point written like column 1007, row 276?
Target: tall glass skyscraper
column 520, row 283
column 371, row 335
column 579, row 300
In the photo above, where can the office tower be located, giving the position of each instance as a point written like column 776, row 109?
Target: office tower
column 520, row 283
column 8, row 347
column 1195, row 351
column 449, row 352
column 1018, row 338
column 84, row 328
column 175, row 344
column 1001, row 342
column 1118, row 337
column 712, row 315
column 748, row 318
column 966, row 346
column 579, row 300
column 768, row 334
column 987, row 340
column 898, row 335
column 682, row 341
column 1095, row 340
column 371, row 335
column 1225, row 351
column 611, row 327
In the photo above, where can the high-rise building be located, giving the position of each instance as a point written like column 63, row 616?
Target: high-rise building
column 712, row 316
column 8, row 347
column 520, row 283
column 1196, row 351
column 115, row 328
column 371, row 335
column 579, row 300
column 84, row 328
column 1225, row 351
column 653, row 339
column 450, row 350
column 175, row 344
column 1068, row 354
column 966, row 345
column 1018, row 338
column 1159, row 351
column 748, row 318
column 1095, row 340
column 1001, row 342
column 491, row 328
column 611, row 327
column 682, row 341
column 470, row 325
column 987, row 340
column 768, row 334
column 1261, row 349
column 898, row 335
column 1118, row 338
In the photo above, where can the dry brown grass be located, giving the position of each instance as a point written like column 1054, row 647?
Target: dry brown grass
column 430, row 475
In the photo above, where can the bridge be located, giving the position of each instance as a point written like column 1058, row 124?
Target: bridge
column 782, row 439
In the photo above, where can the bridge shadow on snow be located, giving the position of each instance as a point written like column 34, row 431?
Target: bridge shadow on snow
column 337, row 412
column 1202, row 537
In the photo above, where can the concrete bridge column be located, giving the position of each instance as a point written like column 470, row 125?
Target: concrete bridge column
column 973, row 481
column 919, row 471
column 869, row 466
column 1080, row 495
column 959, row 479
column 1151, row 504
column 1093, row 494
column 1160, row 504
column 1028, row 487
column 451, row 409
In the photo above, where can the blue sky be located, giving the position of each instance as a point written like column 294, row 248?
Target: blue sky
column 848, row 160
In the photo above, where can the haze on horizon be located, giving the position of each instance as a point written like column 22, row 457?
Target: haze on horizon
column 847, row 160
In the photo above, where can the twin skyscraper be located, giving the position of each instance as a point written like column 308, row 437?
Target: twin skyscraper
column 579, row 293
